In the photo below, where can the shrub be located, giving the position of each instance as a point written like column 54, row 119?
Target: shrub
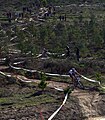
column 68, row 90
column 98, row 77
column 42, row 84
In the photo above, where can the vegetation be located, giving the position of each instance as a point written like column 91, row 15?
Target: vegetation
column 42, row 84
column 53, row 25
column 21, row 99
column 68, row 90
column 98, row 77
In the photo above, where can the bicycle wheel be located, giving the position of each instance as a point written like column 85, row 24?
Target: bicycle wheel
column 80, row 85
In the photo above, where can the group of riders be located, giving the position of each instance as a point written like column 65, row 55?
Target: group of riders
column 67, row 54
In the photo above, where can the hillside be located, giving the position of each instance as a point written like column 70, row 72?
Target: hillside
column 40, row 41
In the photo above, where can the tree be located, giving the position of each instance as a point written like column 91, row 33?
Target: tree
column 44, row 2
column 42, row 84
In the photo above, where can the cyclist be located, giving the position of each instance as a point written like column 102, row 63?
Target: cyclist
column 75, row 78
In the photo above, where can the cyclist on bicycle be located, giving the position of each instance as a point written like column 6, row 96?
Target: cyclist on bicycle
column 75, row 78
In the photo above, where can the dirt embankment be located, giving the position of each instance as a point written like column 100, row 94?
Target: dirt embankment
column 23, row 102
column 24, row 105
column 91, row 103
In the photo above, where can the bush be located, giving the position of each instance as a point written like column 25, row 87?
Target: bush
column 42, row 84
column 68, row 90
column 98, row 77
